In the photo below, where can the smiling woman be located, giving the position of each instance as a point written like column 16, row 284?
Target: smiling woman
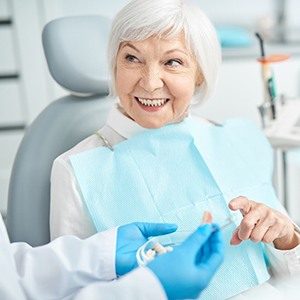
column 166, row 164
column 139, row 21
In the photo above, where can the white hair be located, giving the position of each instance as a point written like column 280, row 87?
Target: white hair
column 141, row 19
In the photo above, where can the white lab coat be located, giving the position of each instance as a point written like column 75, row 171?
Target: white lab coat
column 70, row 268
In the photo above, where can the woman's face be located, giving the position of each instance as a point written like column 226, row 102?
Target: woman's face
column 156, row 79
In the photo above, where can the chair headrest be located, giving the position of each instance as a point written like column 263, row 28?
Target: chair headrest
column 76, row 53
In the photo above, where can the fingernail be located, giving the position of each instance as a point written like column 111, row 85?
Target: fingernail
column 207, row 217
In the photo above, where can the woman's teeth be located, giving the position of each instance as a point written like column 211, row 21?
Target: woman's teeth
column 149, row 102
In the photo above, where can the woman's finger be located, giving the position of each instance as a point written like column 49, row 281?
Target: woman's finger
column 235, row 240
column 270, row 235
column 241, row 203
column 258, row 232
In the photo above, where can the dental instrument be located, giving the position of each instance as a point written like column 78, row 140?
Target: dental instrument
column 268, row 78
column 270, row 94
column 228, row 221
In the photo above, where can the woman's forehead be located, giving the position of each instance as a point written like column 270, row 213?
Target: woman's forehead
column 164, row 42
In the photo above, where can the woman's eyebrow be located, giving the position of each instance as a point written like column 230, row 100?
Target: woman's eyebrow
column 176, row 50
column 127, row 44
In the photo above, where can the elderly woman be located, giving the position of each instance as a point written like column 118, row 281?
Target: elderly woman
column 155, row 161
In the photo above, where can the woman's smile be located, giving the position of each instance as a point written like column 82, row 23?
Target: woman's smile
column 151, row 104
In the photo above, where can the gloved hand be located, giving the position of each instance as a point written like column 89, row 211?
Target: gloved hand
column 187, row 270
column 130, row 237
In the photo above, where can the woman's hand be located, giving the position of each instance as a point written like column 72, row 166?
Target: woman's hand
column 263, row 224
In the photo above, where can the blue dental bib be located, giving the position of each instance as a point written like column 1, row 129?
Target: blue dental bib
column 175, row 173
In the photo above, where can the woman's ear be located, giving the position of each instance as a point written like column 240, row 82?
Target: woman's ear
column 199, row 79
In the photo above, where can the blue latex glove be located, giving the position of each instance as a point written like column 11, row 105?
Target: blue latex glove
column 132, row 236
column 187, row 270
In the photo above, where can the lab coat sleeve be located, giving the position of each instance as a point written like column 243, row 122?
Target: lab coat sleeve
column 140, row 284
column 284, row 262
column 9, row 285
column 68, row 213
column 62, row 267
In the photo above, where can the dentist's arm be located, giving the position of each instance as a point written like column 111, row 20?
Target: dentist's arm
column 62, row 267
column 65, row 265
column 180, row 274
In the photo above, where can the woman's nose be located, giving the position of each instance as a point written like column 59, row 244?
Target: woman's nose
column 151, row 79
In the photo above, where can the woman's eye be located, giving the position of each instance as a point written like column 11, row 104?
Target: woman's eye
column 131, row 58
column 173, row 62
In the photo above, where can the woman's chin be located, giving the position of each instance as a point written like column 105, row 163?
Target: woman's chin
column 151, row 124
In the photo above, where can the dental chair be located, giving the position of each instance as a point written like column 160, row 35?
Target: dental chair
column 75, row 51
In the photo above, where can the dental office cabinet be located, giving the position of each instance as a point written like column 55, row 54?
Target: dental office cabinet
column 26, row 86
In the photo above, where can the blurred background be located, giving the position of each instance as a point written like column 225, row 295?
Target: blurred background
column 26, row 86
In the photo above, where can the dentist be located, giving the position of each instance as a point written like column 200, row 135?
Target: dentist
column 71, row 268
